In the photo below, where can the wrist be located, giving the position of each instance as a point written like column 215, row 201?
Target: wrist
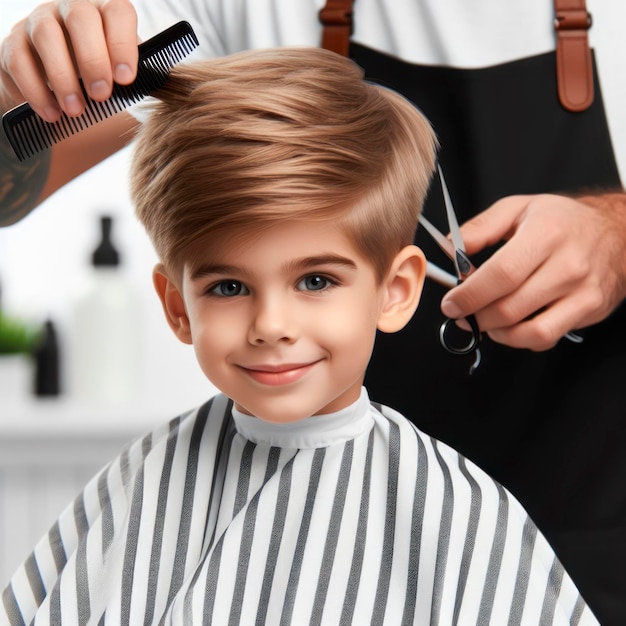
column 608, row 201
column 611, row 207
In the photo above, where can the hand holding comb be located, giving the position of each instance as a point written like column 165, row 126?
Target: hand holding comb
column 29, row 134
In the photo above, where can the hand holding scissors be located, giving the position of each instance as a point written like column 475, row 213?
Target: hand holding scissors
column 454, row 248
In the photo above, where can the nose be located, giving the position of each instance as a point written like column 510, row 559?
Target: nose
column 273, row 321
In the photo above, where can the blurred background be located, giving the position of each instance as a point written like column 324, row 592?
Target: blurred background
column 107, row 368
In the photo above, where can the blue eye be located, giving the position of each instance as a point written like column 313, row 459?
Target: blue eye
column 229, row 289
column 315, row 282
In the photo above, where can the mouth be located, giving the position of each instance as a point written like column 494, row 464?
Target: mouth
column 275, row 375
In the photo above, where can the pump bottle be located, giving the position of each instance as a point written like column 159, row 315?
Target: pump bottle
column 105, row 332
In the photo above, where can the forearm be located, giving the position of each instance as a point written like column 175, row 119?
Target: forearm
column 21, row 183
column 23, row 186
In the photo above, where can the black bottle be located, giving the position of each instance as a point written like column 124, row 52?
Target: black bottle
column 47, row 363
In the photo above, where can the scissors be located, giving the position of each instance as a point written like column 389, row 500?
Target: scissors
column 454, row 248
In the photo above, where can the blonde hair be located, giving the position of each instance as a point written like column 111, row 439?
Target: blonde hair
column 245, row 141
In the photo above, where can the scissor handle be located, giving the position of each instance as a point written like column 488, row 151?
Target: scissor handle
column 474, row 336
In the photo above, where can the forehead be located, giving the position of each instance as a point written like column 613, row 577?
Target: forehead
column 272, row 245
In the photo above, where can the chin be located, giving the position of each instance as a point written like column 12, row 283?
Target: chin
column 282, row 417
column 277, row 411
column 291, row 406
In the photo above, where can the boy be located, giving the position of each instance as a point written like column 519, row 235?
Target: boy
column 282, row 193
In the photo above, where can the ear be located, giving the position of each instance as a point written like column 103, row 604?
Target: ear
column 402, row 289
column 173, row 303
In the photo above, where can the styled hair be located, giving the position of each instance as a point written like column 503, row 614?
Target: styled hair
column 248, row 140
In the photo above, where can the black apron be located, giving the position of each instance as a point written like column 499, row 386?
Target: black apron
column 549, row 426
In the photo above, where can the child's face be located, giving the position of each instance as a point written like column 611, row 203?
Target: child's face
column 284, row 323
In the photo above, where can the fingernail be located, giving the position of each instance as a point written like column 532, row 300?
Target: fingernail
column 450, row 309
column 99, row 90
column 123, row 74
column 73, row 104
column 51, row 113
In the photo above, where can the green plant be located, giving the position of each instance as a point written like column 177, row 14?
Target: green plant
column 17, row 337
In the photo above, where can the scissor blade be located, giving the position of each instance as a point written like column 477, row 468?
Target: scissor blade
column 461, row 262
column 440, row 239
column 459, row 258
column 434, row 272
column 455, row 231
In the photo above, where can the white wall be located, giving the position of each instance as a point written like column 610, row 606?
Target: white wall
column 44, row 263
column 49, row 448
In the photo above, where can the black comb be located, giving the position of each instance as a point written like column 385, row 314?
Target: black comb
column 29, row 134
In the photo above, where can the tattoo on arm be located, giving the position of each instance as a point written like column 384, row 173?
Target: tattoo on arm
column 21, row 183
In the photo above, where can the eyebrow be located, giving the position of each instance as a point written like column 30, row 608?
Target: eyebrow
column 209, row 269
column 323, row 259
column 302, row 264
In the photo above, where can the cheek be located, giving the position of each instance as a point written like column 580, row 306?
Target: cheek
column 213, row 335
column 352, row 329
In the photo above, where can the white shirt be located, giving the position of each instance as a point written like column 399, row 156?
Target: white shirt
column 454, row 33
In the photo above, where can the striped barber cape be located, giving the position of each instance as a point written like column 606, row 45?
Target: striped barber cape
column 350, row 518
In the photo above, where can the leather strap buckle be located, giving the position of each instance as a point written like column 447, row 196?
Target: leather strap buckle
column 336, row 19
column 330, row 16
column 573, row 19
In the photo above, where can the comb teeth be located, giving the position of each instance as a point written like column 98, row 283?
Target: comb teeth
column 29, row 134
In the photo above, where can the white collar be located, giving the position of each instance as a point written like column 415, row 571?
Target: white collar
column 317, row 431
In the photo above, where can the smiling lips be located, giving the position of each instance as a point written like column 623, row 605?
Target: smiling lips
column 278, row 374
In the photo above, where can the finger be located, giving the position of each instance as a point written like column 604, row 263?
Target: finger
column 493, row 225
column 50, row 45
column 549, row 283
column 499, row 276
column 10, row 95
column 543, row 331
column 23, row 77
column 120, row 28
column 85, row 32
column 538, row 233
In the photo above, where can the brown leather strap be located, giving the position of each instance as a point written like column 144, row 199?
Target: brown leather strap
column 336, row 18
column 573, row 56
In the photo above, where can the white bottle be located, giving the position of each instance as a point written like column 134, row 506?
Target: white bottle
column 105, row 331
